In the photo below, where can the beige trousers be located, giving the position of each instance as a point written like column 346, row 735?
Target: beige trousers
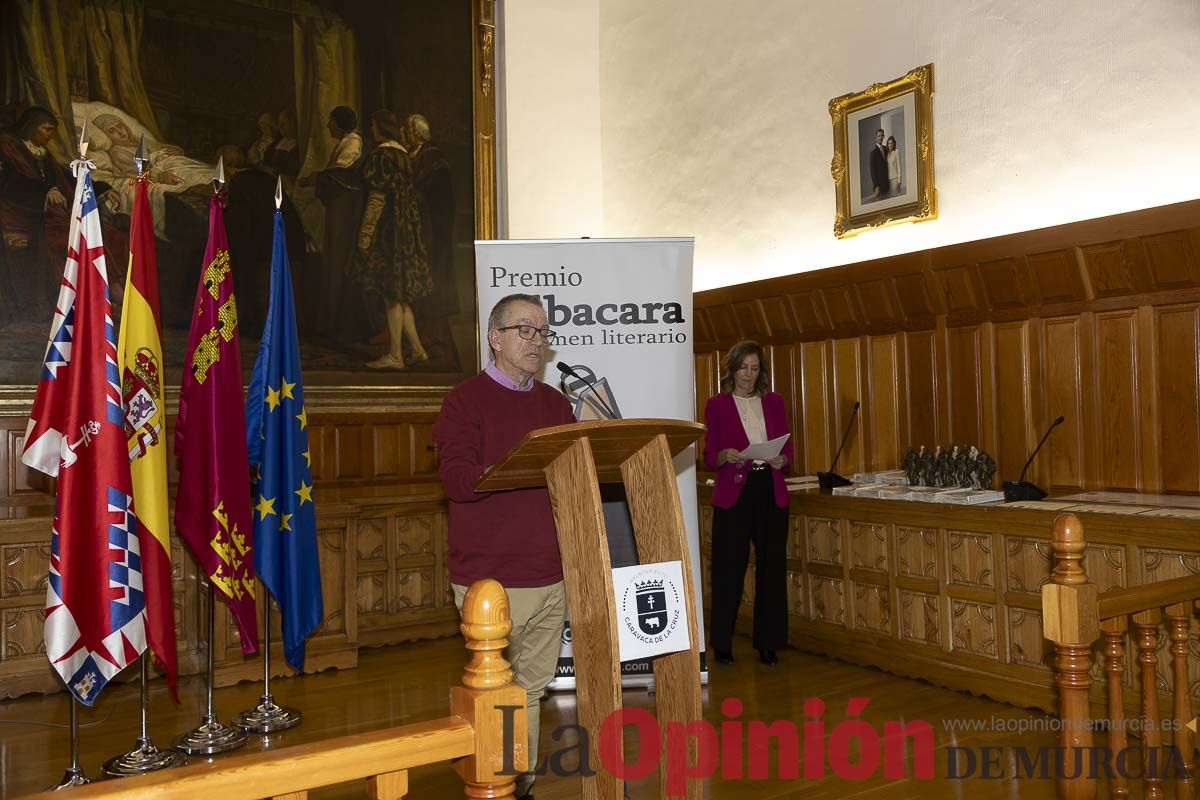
column 533, row 646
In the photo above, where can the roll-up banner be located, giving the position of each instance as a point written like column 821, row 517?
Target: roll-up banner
column 622, row 312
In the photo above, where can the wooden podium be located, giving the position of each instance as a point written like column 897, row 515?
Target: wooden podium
column 572, row 461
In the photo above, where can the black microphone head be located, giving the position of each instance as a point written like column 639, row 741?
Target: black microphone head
column 856, row 405
column 1059, row 421
column 564, row 369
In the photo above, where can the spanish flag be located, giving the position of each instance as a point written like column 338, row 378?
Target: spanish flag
column 140, row 363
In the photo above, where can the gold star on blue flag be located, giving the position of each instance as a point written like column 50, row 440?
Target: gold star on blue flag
column 285, row 534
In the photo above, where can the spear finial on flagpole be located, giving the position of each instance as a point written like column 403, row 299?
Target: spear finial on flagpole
column 83, row 142
column 139, row 158
column 219, row 178
column 278, row 192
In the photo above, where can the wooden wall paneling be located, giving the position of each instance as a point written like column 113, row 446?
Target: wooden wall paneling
column 351, row 450
column 808, row 309
column 912, row 295
column 1147, row 413
column 816, row 399
column 783, row 380
column 1059, row 276
column 752, row 323
column 1178, row 329
column 778, row 316
column 1089, row 402
column 1171, row 258
column 724, row 323
column 941, row 360
column 885, row 399
column 706, row 381
column 964, row 385
column 319, row 435
column 881, row 309
column 423, row 456
column 390, row 450
column 1007, row 284
column 958, row 292
column 1063, row 463
column 702, row 329
column 921, row 389
column 1116, row 268
column 844, row 316
column 848, row 387
column 1013, row 389
column 987, row 388
column 1117, row 394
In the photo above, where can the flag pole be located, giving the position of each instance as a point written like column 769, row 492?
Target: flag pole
column 212, row 736
column 267, row 716
column 145, row 756
column 74, row 775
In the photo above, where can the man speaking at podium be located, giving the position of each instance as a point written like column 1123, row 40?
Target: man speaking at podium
column 510, row 535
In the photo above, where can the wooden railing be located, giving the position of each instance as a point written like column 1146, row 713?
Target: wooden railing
column 1074, row 617
column 473, row 735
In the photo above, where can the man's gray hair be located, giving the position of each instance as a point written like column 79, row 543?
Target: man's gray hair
column 499, row 313
column 420, row 127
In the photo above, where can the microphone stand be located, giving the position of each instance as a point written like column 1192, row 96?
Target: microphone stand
column 830, row 479
column 1020, row 489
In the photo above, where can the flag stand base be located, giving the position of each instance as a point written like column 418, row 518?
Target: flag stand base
column 142, row 759
column 267, row 717
column 210, row 738
column 72, row 777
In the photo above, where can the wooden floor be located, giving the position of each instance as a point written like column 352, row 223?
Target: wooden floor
column 409, row 683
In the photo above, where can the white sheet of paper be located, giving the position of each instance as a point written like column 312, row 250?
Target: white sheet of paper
column 765, row 450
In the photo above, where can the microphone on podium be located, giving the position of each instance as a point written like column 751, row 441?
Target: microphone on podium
column 1019, row 489
column 567, row 369
column 828, row 480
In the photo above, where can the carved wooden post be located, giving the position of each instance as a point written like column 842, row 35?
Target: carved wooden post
column 487, row 689
column 1180, row 617
column 1070, row 620
column 1145, row 624
column 1114, row 666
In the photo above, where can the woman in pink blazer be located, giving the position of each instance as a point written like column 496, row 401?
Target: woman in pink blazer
column 750, row 503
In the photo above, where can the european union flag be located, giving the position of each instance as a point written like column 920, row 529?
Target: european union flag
column 285, row 528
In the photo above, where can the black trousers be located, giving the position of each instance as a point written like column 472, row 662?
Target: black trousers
column 754, row 518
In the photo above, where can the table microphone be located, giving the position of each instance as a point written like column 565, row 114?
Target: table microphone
column 828, row 480
column 567, row 369
column 1020, row 489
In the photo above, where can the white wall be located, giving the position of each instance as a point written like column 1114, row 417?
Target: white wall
column 713, row 118
column 549, row 126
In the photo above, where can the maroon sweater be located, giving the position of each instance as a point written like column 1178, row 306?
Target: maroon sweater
column 509, row 536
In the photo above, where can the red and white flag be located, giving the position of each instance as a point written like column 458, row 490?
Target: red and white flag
column 95, row 605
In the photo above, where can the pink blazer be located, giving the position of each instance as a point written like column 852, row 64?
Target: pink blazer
column 725, row 430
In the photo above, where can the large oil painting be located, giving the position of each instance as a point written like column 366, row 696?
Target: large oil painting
column 370, row 113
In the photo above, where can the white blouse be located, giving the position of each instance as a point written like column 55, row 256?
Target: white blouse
column 751, row 411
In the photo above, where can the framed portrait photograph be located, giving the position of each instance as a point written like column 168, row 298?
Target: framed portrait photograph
column 883, row 154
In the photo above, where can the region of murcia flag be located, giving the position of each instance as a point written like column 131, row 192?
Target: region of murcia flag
column 140, row 359
column 95, row 606
column 212, row 505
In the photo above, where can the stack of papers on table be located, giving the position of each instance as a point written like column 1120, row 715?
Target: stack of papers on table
column 927, row 494
column 892, row 477
column 969, row 497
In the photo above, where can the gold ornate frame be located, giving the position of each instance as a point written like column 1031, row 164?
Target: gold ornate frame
column 18, row 400
column 919, row 82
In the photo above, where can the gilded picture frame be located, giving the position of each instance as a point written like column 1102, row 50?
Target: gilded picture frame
column 882, row 164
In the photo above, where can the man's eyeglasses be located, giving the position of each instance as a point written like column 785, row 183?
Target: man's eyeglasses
column 527, row 332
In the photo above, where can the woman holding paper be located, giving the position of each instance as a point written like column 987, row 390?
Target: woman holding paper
column 750, row 502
